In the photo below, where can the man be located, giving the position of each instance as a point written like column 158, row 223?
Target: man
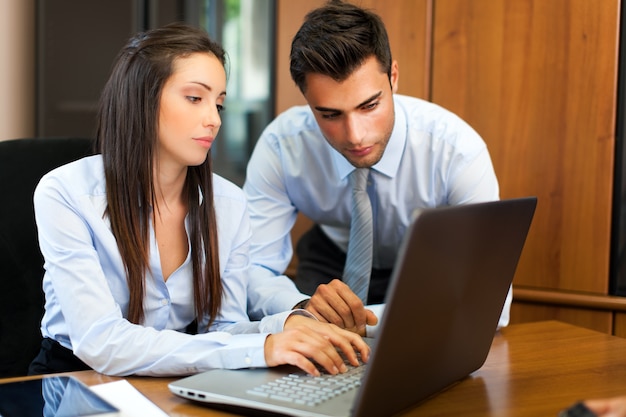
column 601, row 407
column 417, row 156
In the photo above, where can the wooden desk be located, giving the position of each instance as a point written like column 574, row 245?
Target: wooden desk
column 533, row 369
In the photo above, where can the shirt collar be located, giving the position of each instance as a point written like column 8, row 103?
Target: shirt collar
column 390, row 162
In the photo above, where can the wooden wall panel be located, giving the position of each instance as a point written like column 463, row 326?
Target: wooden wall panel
column 537, row 79
column 288, row 20
column 619, row 325
column 598, row 320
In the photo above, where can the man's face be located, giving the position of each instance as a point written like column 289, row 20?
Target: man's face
column 356, row 116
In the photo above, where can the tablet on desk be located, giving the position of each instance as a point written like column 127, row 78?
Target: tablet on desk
column 53, row 396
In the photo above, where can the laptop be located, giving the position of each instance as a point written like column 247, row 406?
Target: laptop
column 448, row 287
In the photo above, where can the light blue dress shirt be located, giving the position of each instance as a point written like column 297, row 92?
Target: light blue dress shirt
column 87, row 294
column 433, row 159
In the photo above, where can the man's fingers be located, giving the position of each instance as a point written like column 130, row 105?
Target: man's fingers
column 322, row 308
column 338, row 304
column 372, row 320
column 353, row 309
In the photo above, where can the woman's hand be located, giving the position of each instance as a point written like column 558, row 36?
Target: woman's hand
column 305, row 341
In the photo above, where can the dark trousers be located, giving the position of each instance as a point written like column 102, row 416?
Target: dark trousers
column 320, row 261
column 53, row 358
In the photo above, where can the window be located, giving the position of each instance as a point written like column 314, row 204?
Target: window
column 246, row 30
column 69, row 83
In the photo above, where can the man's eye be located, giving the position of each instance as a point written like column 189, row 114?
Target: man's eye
column 371, row 106
column 330, row 115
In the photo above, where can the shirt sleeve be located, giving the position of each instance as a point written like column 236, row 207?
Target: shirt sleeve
column 506, row 310
column 473, row 179
column 92, row 317
column 272, row 217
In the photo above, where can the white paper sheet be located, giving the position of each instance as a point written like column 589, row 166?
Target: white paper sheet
column 131, row 402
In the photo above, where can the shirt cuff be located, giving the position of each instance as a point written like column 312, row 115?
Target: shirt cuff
column 378, row 310
column 301, row 312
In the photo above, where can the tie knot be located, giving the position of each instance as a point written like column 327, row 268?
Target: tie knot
column 358, row 178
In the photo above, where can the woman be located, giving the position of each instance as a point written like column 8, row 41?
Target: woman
column 143, row 240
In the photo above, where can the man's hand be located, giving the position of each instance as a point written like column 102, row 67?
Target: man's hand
column 336, row 303
column 608, row 407
column 305, row 340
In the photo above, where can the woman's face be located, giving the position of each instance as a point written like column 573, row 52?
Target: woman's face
column 189, row 113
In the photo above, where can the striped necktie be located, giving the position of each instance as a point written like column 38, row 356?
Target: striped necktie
column 358, row 266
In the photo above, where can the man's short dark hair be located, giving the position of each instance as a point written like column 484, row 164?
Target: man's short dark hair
column 335, row 40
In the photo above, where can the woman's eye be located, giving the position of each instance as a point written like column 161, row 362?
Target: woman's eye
column 220, row 108
column 193, row 99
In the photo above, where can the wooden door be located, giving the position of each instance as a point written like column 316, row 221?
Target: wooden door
column 537, row 79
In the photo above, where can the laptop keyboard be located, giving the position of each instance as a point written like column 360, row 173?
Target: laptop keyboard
column 304, row 389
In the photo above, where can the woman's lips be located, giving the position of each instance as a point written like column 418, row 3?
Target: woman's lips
column 204, row 141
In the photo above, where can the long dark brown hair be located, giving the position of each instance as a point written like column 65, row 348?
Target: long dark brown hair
column 127, row 135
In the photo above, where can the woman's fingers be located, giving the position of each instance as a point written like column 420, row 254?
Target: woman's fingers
column 305, row 345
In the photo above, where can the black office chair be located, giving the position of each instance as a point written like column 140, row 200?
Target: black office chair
column 22, row 163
